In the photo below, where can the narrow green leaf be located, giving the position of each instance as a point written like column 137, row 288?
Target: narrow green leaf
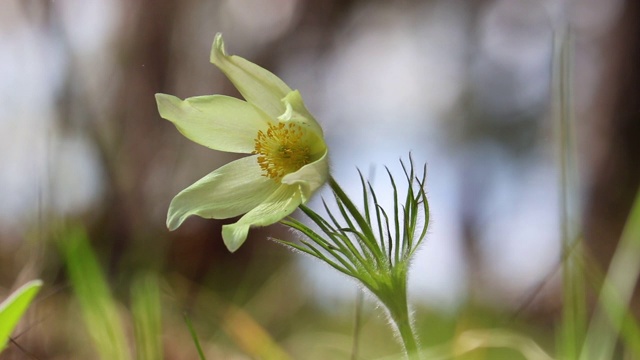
column 98, row 308
column 330, row 232
column 381, row 236
column 338, row 255
column 194, row 336
column 389, row 236
column 365, row 198
column 368, row 245
column 321, row 222
column 408, row 210
column 347, row 241
column 12, row 309
column 357, row 216
column 147, row 316
column 312, row 251
column 396, row 216
column 612, row 315
column 574, row 311
column 425, row 205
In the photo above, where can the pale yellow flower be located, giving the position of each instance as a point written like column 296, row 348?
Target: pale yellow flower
column 288, row 160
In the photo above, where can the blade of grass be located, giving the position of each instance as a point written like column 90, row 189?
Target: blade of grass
column 617, row 289
column 12, row 309
column 574, row 314
column 146, row 311
column 356, row 325
column 194, row 336
column 98, row 308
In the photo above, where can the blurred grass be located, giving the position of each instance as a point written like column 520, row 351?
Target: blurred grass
column 597, row 337
column 275, row 320
column 293, row 329
column 574, row 311
column 12, row 309
column 147, row 316
column 613, row 316
column 194, row 336
column 100, row 312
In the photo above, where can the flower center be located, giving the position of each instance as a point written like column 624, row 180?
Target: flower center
column 281, row 150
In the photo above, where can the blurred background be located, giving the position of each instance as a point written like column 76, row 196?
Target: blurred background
column 464, row 86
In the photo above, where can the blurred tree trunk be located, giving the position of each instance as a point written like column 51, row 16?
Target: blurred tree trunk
column 616, row 137
column 132, row 133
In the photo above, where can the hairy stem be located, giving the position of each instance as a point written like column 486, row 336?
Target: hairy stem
column 400, row 316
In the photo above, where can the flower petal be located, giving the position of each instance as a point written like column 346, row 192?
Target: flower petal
column 229, row 191
column 217, row 122
column 309, row 177
column 257, row 85
column 296, row 111
column 279, row 205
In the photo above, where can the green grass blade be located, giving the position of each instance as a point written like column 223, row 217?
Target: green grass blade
column 147, row 316
column 12, row 309
column 357, row 324
column 612, row 315
column 574, row 311
column 98, row 308
column 194, row 336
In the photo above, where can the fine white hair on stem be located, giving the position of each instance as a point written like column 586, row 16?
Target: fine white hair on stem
column 372, row 244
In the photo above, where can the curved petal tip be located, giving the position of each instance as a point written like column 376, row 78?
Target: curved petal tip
column 234, row 235
column 217, row 49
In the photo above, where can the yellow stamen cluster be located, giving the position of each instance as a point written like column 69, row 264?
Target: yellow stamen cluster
column 282, row 150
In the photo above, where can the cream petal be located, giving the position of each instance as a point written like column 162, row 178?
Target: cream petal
column 257, row 85
column 310, row 177
column 296, row 111
column 217, row 122
column 276, row 207
column 229, row 191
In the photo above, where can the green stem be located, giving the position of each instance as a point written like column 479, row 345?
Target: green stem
column 395, row 299
column 403, row 323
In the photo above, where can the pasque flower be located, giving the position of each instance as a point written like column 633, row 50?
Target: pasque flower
column 288, row 155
